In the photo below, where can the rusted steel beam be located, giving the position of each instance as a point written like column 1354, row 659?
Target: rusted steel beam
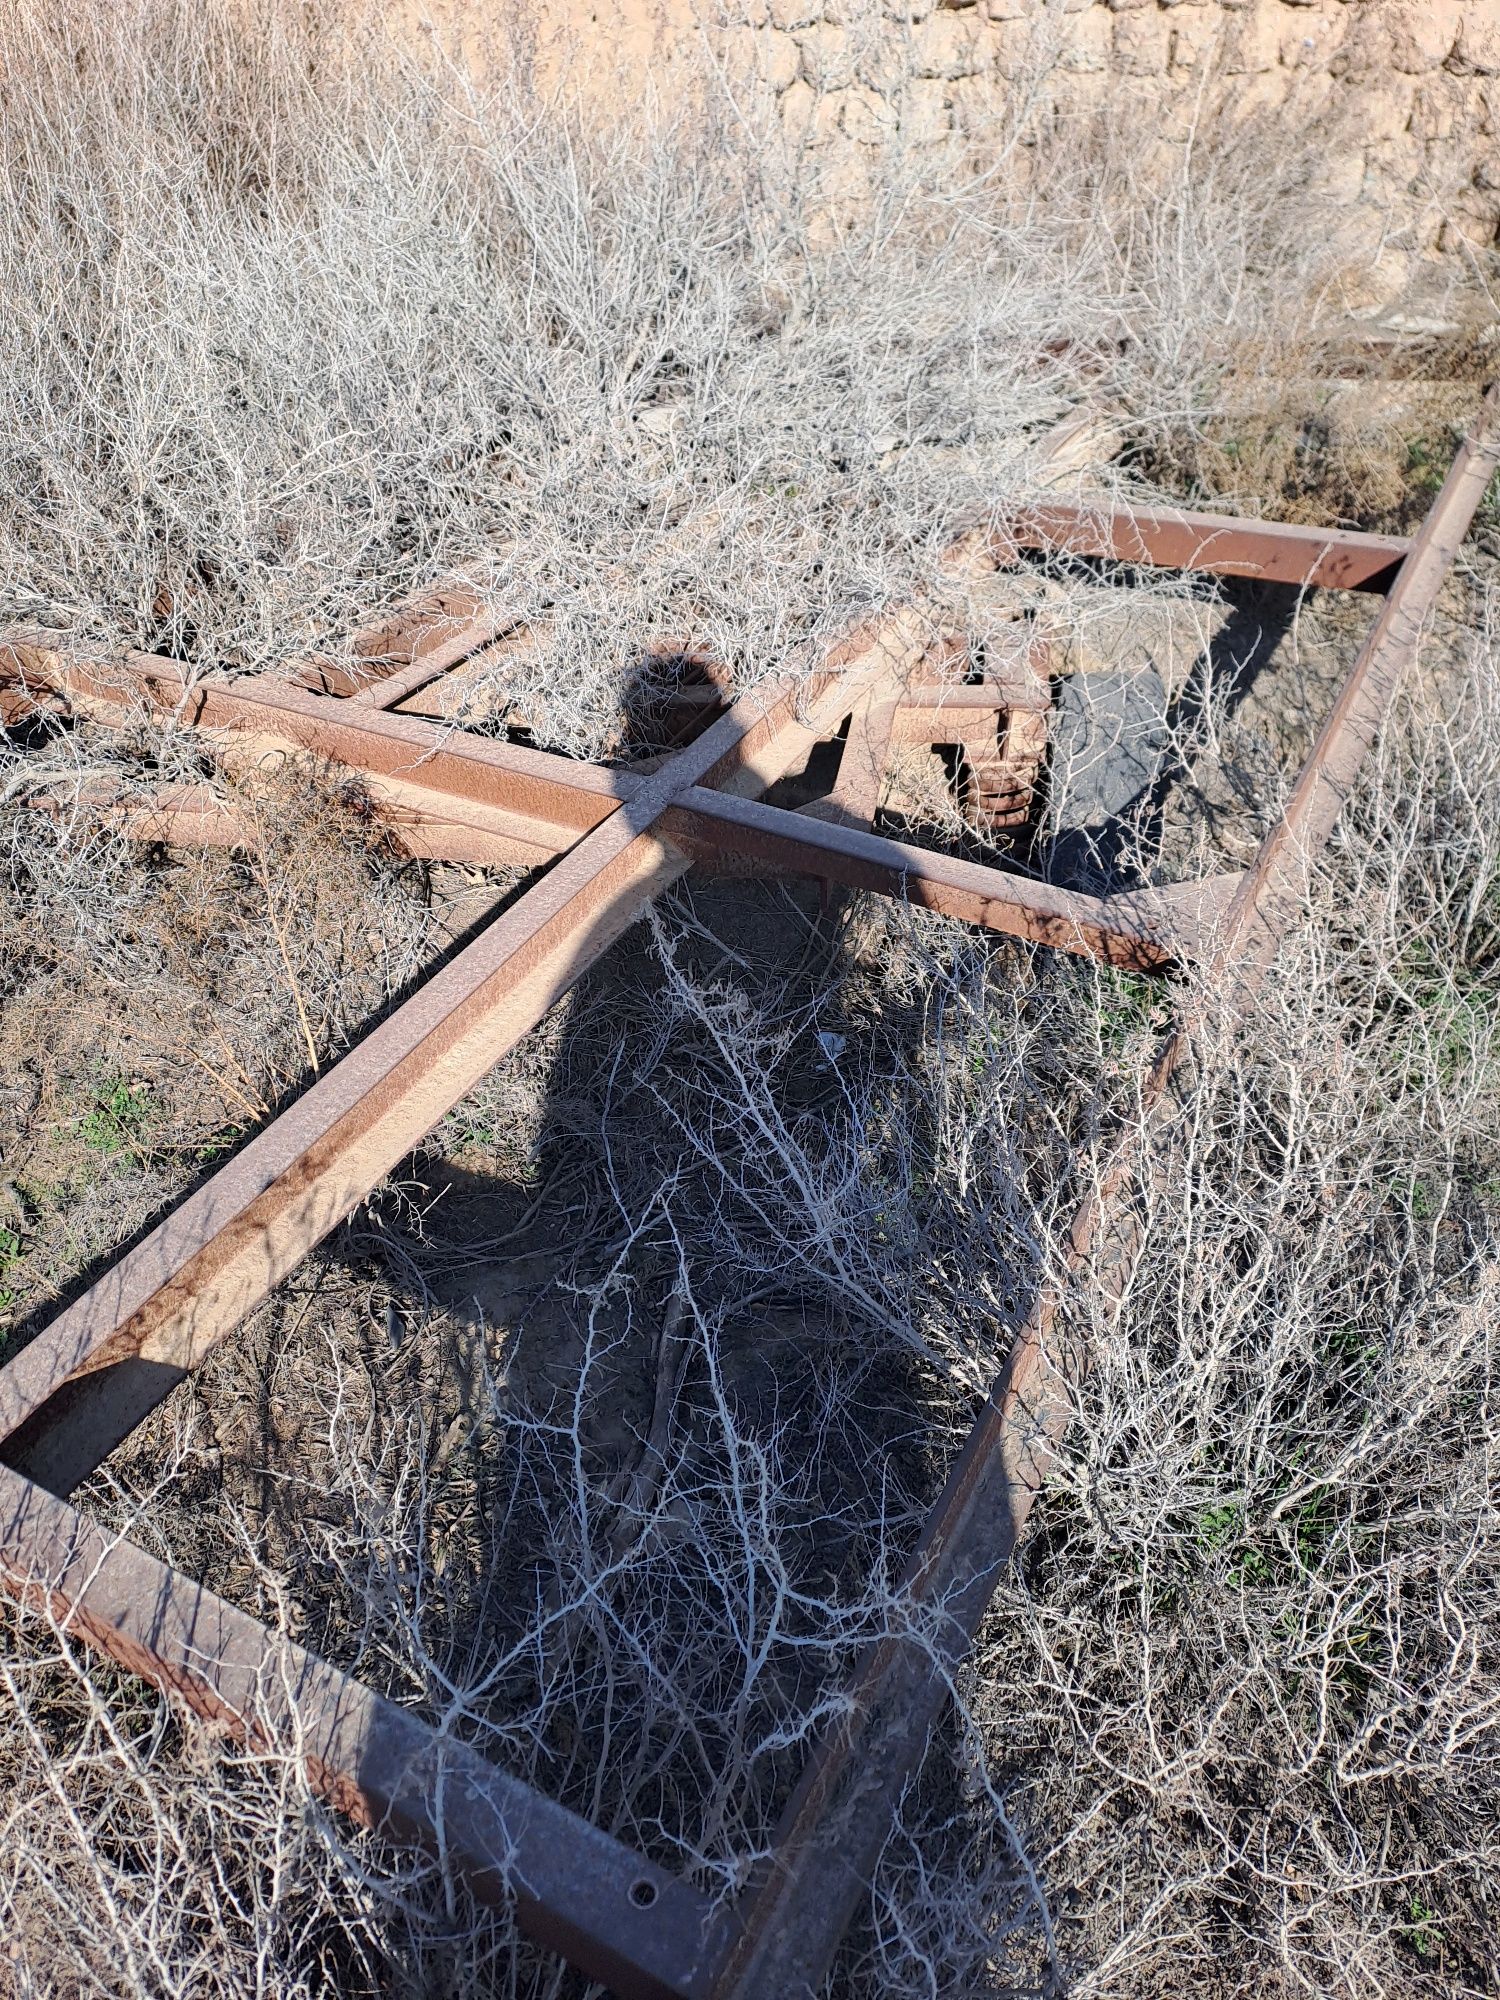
column 855, row 798
column 426, row 637
column 422, row 824
column 481, row 689
column 89, row 1377
column 153, row 1316
column 450, row 795
column 1016, row 678
column 407, row 759
column 557, row 792
column 176, row 815
column 842, row 1808
column 637, row 1929
column 19, row 705
column 1138, row 931
column 1221, row 544
column 512, row 804
column 1146, row 929
column 431, row 664
column 923, row 715
column 432, row 826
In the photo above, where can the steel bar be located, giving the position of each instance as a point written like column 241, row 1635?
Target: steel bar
column 923, row 714
column 1123, row 930
column 1219, row 544
column 855, row 798
column 477, row 691
column 1274, row 882
column 1145, row 929
column 1013, row 680
column 416, row 764
column 20, row 705
column 844, row 1804
column 423, row 824
column 437, row 631
column 569, row 796
column 412, row 762
column 176, row 815
column 622, row 1920
column 431, row 664
column 89, row 1377
column 370, row 1758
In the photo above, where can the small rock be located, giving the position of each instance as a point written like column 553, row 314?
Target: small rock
column 1109, row 741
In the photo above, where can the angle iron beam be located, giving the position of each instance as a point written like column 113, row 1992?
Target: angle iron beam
column 843, row 1806
column 617, row 1916
column 429, row 667
column 1121, row 930
column 560, row 792
column 1220, row 544
column 432, row 665
column 1275, row 881
column 1146, row 929
column 433, row 633
column 747, row 761
column 427, row 825
column 561, row 795
column 861, row 776
column 522, row 795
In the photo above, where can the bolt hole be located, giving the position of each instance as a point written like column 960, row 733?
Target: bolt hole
column 643, row 1894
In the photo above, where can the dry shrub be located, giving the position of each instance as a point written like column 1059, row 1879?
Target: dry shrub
column 1367, row 453
column 304, row 317
column 158, row 1007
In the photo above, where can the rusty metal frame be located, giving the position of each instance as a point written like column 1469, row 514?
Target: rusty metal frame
column 843, row 1805
column 613, row 840
column 474, row 798
column 1218, row 544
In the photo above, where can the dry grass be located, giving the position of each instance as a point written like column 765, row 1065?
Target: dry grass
column 157, row 1009
column 303, row 318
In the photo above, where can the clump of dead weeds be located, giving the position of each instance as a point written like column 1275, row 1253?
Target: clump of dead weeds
column 159, row 1006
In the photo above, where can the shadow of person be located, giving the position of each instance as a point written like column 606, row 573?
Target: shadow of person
column 677, row 1274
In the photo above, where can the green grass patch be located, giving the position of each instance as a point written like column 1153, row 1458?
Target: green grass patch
column 1422, row 1931
column 114, row 1125
column 1129, row 1005
column 218, row 1144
